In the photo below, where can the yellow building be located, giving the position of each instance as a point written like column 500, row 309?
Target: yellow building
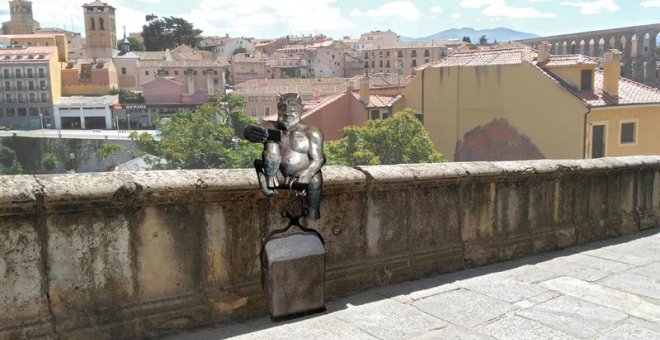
column 55, row 39
column 516, row 103
column 29, row 86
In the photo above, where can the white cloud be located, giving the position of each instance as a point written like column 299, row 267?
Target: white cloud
column 593, row 7
column 456, row 15
column 436, row 9
column 217, row 17
column 651, row 3
column 395, row 9
column 499, row 8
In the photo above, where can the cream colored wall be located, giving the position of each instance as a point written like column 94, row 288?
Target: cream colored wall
column 573, row 74
column 55, row 71
column 459, row 99
column 647, row 138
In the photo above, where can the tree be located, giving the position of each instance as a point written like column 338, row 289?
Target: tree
column 396, row 140
column 203, row 138
column 467, row 39
column 109, row 150
column 483, row 40
column 239, row 50
column 169, row 32
column 49, row 161
column 136, row 45
column 16, row 168
column 127, row 96
column 7, row 156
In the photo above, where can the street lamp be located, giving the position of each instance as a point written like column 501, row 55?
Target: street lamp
column 117, row 124
column 128, row 118
column 41, row 118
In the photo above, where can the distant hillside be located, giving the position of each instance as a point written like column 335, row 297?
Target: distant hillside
column 499, row 34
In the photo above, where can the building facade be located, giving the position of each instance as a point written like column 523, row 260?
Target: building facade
column 404, row 57
column 30, row 82
column 21, row 20
column 89, row 77
column 248, row 66
column 100, row 30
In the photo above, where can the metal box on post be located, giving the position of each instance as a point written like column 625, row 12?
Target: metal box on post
column 293, row 276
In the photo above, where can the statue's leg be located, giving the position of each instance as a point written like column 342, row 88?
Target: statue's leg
column 272, row 159
column 261, row 176
column 314, row 191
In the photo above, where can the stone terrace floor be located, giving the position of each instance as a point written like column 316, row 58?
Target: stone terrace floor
column 603, row 290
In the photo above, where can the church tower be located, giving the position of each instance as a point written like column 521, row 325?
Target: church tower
column 100, row 31
column 21, row 21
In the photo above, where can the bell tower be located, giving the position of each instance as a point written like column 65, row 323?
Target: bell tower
column 100, row 30
column 21, row 21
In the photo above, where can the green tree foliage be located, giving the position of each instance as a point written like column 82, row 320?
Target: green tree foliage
column 136, row 45
column 396, row 140
column 483, row 40
column 49, row 161
column 7, row 156
column 467, row 39
column 239, row 50
column 169, row 32
column 109, row 150
column 16, row 168
column 127, row 96
column 203, row 138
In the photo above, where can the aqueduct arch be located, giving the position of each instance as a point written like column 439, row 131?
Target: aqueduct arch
column 637, row 43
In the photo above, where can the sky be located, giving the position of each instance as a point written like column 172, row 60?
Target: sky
column 339, row 18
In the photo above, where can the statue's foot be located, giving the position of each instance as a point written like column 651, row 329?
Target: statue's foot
column 271, row 182
column 314, row 214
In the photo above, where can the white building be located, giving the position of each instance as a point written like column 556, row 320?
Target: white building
column 82, row 112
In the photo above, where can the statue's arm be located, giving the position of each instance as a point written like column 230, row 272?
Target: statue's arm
column 257, row 133
column 316, row 156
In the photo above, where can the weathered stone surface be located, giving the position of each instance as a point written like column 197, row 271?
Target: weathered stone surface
column 630, row 332
column 573, row 316
column 515, row 327
column 504, row 289
column 452, row 332
column 18, row 194
column 402, row 320
column 87, row 191
column 633, row 283
column 463, row 307
column 614, row 299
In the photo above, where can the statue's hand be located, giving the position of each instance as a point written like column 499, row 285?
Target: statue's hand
column 304, row 179
column 255, row 134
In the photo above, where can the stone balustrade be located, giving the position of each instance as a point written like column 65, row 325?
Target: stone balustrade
column 123, row 255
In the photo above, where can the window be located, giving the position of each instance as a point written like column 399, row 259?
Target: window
column 32, row 98
column 267, row 111
column 585, row 81
column 41, row 73
column 101, row 24
column 19, row 85
column 375, row 114
column 22, row 112
column 44, row 98
column 42, row 84
column 387, row 64
column 176, row 73
column 366, row 64
column 34, row 111
column 426, row 53
column 399, row 54
column 18, row 72
column 123, row 70
column 386, row 115
column 7, row 85
column 20, row 97
column 254, row 112
column 93, row 24
column 29, row 73
column 628, row 132
column 414, row 63
column 215, row 81
column 31, row 85
column 8, row 98
column 373, row 64
column 11, row 112
column 366, row 55
column 387, row 54
column 413, row 53
column 146, row 73
column 5, row 72
column 381, row 64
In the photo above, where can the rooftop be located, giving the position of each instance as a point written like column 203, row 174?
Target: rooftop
column 379, row 101
column 26, row 55
column 568, row 60
column 507, row 56
column 630, row 92
column 106, row 100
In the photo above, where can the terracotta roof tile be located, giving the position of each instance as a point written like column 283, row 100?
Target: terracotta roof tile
column 630, row 92
column 376, row 100
column 568, row 60
column 510, row 56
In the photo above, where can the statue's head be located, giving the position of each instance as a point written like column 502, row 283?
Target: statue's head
column 289, row 109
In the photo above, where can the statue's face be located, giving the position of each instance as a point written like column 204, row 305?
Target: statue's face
column 289, row 108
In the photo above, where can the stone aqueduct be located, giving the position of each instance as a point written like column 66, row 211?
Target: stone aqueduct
column 638, row 44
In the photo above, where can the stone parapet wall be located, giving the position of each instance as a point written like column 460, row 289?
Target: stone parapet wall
column 124, row 255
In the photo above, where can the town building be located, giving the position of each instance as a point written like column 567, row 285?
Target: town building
column 202, row 77
column 374, row 39
column 518, row 103
column 85, row 112
column 283, row 66
column 227, row 46
column 57, row 39
column 89, row 77
column 270, row 46
column 21, row 20
column 248, row 66
column 100, row 30
column 404, row 57
column 74, row 41
column 30, row 81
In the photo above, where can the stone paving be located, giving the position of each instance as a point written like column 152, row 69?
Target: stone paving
column 604, row 290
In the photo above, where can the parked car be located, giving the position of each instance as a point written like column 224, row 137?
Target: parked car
column 4, row 128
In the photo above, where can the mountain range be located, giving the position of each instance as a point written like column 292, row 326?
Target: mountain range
column 492, row 34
